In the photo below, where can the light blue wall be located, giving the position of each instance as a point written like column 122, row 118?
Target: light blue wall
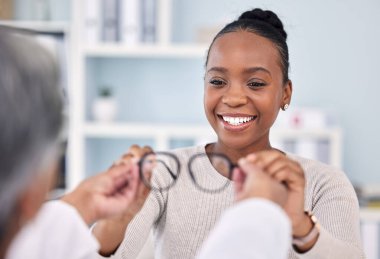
column 150, row 90
column 56, row 10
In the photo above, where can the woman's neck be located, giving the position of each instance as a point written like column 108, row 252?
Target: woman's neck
column 234, row 154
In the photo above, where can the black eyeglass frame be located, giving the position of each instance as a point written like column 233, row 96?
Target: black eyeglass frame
column 174, row 176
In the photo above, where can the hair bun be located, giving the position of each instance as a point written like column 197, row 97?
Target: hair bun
column 265, row 16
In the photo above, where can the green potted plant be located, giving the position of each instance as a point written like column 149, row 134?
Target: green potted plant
column 104, row 107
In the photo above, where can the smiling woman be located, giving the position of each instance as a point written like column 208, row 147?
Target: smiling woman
column 246, row 85
column 244, row 80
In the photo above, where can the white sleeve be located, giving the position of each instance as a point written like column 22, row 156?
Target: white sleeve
column 254, row 229
column 57, row 232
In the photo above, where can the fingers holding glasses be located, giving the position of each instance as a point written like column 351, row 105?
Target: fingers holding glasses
column 283, row 169
column 133, row 154
column 132, row 157
column 252, row 182
column 280, row 167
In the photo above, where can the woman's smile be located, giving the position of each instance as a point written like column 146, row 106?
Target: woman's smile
column 236, row 121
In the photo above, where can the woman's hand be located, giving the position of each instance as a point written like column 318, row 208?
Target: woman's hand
column 285, row 170
column 250, row 181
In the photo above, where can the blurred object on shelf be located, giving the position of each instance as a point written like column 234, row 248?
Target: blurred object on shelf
column 321, row 137
column 130, row 31
column 368, row 195
column 304, row 118
column 110, row 30
column 6, row 9
column 205, row 34
column 104, row 107
column 149, row 21
column 129, row 22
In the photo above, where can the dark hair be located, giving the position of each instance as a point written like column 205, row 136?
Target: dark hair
column 265, row 24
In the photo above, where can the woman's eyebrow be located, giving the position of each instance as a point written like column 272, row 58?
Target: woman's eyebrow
column 252, row 70
column 217, row 69
column 249, row 70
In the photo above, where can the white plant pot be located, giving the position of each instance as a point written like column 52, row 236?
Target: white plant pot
column 104, row 109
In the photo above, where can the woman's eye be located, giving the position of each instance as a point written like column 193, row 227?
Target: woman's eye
column 256, row 84
column 217, row 82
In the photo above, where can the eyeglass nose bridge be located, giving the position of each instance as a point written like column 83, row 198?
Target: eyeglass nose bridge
column 231, row 166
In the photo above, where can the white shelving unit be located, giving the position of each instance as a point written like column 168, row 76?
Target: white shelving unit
column 46, row 26
column 175, row 51
column 162, row 133
column 332, row 135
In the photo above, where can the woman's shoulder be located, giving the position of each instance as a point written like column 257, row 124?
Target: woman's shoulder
column 311, row 166
column 324, row 181
column 320, row 175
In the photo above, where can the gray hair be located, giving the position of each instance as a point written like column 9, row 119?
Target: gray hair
column 30, row 116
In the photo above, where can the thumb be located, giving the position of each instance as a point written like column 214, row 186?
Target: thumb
column 238, row 177
column 252, row 175
column 251, row 171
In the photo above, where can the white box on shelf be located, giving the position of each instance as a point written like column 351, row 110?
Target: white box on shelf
column 302, row 118
column 92, row 21
column 130, row 22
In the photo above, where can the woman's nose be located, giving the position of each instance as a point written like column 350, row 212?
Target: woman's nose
column 234, row 97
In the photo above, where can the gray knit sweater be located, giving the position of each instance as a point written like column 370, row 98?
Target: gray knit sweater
column 183, row 216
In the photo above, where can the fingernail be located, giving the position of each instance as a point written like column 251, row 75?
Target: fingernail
column 251, row 157
column 242, row 161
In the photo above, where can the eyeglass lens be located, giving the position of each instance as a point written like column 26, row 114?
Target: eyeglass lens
column 159, row 170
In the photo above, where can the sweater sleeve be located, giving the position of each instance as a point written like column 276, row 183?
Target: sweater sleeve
column 139, row 228
column 336, row 207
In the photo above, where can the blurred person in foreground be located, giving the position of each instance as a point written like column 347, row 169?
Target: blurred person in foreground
column 31, row 120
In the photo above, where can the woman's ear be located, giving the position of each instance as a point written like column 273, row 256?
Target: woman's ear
column 288, row 90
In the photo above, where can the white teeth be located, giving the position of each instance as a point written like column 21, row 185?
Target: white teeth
column 235, row 121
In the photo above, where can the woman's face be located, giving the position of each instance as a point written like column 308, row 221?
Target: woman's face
column 244, row 90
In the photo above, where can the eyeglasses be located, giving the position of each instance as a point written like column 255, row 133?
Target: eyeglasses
column 161, row 170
